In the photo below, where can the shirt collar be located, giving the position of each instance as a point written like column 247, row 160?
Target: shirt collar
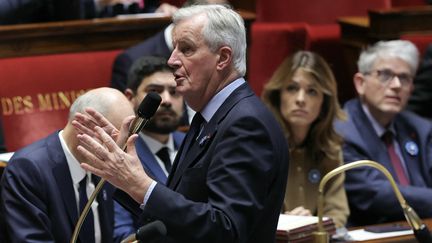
column 155, row 145
column 77, row 173
column 217, row 100
column 379, row 130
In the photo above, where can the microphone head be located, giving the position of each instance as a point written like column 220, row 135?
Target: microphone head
column 149, row 105
column 151, row 231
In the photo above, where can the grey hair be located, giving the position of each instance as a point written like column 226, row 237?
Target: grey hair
column 402, row 49
column 225, row 27
column 96, row 100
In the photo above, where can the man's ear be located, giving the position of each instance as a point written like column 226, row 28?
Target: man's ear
column 359, row 83
column 129, row 94
column 225, row 57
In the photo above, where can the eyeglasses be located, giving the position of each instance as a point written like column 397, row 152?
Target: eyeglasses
column 387, row 75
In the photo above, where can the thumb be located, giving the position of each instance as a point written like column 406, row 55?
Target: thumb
column 131, row 149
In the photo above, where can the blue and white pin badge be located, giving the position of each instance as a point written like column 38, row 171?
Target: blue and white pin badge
column 314, row 176
column 411, row 148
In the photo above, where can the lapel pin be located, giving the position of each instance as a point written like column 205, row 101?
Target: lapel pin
column 314, row 176
column 411, row 148
column 104, row 195
column 204, row 140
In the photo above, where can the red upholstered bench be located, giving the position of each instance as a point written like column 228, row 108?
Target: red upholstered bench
column 37, row 91
column 277, row 33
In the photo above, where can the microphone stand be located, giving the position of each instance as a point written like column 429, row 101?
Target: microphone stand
column 421, row 231
column 136, row 126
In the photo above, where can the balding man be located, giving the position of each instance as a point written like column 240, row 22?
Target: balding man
column 44, row 188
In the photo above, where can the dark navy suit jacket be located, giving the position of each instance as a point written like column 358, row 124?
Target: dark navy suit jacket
column 370, row 195
column 154, row 46
column 124, row 222
column 230, row 185
column 420, row 100
column 38, row 200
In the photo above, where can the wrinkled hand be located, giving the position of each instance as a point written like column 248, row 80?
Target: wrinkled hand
column 107, row 160
column 84, row 123
column 299, row 211
column 167, row 9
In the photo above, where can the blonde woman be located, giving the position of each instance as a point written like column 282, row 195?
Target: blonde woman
column 302, row 95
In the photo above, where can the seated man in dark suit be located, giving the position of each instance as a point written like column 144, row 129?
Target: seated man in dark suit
column 378, row 129
column 420, row 101
column 158, row 45
column 159, row 141
column 43, row 187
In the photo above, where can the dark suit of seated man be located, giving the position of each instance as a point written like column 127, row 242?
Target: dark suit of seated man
column 420, row 101
column 378, row 129
column 41, row 186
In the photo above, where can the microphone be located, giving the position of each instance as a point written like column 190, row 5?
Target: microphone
column 147, row 232
column 421, row 232
column 146, row 110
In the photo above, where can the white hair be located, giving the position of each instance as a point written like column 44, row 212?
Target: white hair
column 402, row 49
column 225, row 27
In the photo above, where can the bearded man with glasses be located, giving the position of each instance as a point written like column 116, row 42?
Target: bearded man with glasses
column 379, row 129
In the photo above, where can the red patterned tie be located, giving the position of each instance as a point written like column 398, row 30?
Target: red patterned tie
column 396, row 162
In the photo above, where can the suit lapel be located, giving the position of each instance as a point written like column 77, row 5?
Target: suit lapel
column 206, row 137
column 375, row 146
column 149, row 162
column 63, row 178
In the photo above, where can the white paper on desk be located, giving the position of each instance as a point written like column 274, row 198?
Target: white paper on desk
column 6, row 156
column 289, row 222
column 361, row 234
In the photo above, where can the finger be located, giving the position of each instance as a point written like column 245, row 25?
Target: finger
column 93, row 170
column 106, row 140
column 124, row 131
column 297, row 210
column 304, row 213
column 99, row 118
column 93, row 146
column 131, row 149
column 85, row 119
column 80, row 129
column 91, row 159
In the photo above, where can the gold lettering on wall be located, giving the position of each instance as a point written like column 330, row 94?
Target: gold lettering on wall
column 17, row 105
column 40, row 102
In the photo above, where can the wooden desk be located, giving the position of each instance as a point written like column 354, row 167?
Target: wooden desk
column 84, row 35
column 398, row 239
column 358, row 32
column 77, row 35
column 386, row 24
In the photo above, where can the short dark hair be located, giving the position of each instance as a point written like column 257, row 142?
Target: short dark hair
column 144, row 67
